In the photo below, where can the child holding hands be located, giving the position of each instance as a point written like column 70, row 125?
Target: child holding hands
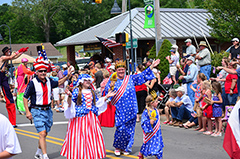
column 217, row 108
column 152, row 135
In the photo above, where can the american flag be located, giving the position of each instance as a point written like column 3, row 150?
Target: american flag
column 108, row 43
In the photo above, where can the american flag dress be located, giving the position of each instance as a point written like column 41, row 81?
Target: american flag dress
column 84, row 139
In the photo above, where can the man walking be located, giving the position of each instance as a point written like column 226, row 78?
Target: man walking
column 39, row 91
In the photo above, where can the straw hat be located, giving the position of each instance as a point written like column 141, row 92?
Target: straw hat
column 203, row 43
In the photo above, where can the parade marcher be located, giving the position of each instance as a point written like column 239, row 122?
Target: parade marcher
column 87, row 140
column 235, row 49
column 126, row 104
column 204, row 59
column 190, row 77
column 152, row 134
column 39, row 91
column 4, row 81
column 191, row 49
column 147, row 62
column 9, row 144
column 23, row 74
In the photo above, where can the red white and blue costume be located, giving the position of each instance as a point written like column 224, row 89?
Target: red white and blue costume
column 127, row 108
column 152, row 136
column 84, row 138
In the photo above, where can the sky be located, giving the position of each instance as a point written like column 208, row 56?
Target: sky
column 5, row 1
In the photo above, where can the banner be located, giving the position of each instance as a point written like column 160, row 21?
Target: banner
column 149, row 16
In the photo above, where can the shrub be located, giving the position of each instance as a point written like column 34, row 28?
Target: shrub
column 152, row 52
column 163, row 52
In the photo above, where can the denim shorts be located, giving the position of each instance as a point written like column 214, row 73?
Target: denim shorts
column 43, row 119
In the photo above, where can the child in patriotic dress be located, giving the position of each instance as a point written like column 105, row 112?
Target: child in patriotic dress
column 84, row 139
column 152, row 135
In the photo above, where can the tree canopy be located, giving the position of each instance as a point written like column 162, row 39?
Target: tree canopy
column 34, row 21
column 225, row 19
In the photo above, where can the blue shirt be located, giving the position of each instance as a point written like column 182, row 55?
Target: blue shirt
column 186, row 102
column 30, row 90
column 191, row 73
column 65, row 72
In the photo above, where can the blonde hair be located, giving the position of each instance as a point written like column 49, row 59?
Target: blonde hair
column 105, row 73
column 202, row 76
column 54, row 74
column 79, row 98
column 98, row 65
column 149, row 100
column 206, row 85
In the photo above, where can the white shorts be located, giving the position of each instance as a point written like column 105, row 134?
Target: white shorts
column 56, row 94
column 173, row 70
column 61, row 90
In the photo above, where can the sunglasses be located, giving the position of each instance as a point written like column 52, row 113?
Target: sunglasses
column 41, row 71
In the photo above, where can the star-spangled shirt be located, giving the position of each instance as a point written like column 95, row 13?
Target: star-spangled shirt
column 126, row 107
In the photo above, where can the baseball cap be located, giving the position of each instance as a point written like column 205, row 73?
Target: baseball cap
column 180, row 89
column 235, row 39
column 64, row 66
column 188, row 40
column 191, row 58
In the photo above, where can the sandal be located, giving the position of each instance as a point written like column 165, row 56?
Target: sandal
column 185, row 126
column 166, row 122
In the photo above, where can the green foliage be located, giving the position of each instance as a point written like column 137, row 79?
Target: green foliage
column 152, row 52
column 217, row 61
column 162, row 54
column 225, row 19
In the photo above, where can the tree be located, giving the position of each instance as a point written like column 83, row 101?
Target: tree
column 152, row 52
column 225, row 19
column 162, row 54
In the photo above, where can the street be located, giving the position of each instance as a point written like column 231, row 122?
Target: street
column 179, row 143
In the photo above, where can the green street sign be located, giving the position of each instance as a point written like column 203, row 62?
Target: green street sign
column 135, row 44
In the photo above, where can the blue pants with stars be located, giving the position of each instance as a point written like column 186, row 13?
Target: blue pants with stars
column 124, row 136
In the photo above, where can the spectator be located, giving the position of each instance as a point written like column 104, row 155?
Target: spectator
column 141, row 92
column 185, row 106
column 198, row 98
column 170, row 104
column 217, row 108
column 221, row 78
column 191, row 49
column 60, row 76
column 105, row 80
column 111, row 69
column 204, row 59
column 183, row 71
column 190, row 77
column 98, row 75
column 70, row 65
column 92, row 67
column 8, row 138
column 173, row 60
column 231, row 89
column 108, row 63
column 206, row 107
column 147, row 62
column 235, row 49
column 55, row 92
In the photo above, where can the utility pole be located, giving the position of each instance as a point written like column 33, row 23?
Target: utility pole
column 124, row 6
column 158, row 34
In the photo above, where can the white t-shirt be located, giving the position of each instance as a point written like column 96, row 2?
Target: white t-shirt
column 8, row 138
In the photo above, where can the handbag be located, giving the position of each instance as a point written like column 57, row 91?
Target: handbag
column 197, row 109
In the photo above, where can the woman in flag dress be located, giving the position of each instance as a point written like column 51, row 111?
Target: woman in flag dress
column 84, row 139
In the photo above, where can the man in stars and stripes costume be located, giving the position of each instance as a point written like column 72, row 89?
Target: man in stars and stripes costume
column 39, row 90
column 126, row 104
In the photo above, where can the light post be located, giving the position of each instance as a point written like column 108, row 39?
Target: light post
column 1, row 38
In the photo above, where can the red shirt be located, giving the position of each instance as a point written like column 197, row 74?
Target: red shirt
column 228, row 83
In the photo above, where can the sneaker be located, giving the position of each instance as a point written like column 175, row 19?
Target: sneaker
column 38, row 156
column 117, row 152
column 217, row 134
column 125, row 153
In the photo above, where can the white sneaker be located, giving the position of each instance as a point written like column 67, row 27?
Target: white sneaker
column 125, row 153
column 117, row 152
column 38, row 156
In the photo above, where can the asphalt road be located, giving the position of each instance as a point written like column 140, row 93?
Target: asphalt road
column 179, row 142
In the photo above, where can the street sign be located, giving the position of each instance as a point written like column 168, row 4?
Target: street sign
column 148, row 2
column 135, row 44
